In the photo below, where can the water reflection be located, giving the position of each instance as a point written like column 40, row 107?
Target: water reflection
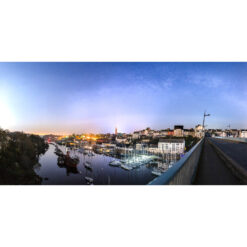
column 69, row 169
column 100, row 172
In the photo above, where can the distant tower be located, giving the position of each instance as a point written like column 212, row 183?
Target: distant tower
column 116, row 131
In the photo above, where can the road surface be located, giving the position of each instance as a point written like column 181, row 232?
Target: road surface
column 212, row 170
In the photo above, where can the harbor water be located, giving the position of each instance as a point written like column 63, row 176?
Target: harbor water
column 102, row 173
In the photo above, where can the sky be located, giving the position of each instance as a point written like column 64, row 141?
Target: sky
column 66, row 98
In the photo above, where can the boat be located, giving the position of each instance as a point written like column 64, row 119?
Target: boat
column 72, row 170
column 60, row 160
column 71, row 162
column 136, row 165
column 153, row 163
column 156, row 173
column 58, row 152
column 88, row 165
column 115, row 163
column 126, row 167
column 67, row 160
column 89, row 180
column 76, row 158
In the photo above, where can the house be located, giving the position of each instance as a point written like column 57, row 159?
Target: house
column 175, row 146
column 199, row 131
column 243, row 134
column 223, row 134
column 218, row 132
column 121, row 140
column 170, row 132
column 136, row 135
column 179, row 130
column 234, row 132
column 163, row 132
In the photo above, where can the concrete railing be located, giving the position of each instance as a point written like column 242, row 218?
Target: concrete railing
column 183, row 172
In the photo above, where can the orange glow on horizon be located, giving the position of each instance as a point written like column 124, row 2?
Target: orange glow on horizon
column 47, row 133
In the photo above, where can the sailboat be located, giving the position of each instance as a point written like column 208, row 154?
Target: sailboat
column 116, row 163
column 88, row 167
column 156, row 172
column 89, row 180
column 126, row 167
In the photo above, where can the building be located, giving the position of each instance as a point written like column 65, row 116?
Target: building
column 122, row 140
column 136, row 135
column 170, row 132
column 243, row 134
column 218, row 132
column 234, row 133
column 175, row 146
column 164, row 132
column 145, row 140
column 146, row 131
column 140, row 146
column 153, row 149
column 116, row 131
column 189, row 132
column 199, row 131
column 155, row 133
column 223, row 134
column 179, row 130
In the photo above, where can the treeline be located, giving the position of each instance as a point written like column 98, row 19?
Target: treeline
column 19, row 153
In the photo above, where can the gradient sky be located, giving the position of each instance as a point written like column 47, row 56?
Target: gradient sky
column 96, row 97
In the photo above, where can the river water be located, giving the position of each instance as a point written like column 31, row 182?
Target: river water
column 102, row 173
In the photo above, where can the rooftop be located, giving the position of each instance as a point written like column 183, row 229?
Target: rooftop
column 172, row 140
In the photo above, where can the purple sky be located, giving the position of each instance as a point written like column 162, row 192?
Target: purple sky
column 96, row 97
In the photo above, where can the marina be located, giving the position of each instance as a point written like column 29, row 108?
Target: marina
column 98, row 169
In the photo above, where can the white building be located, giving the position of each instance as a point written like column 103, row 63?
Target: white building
column 121, row 140
column 243, row 134
column 223, row 134
column 175, row 146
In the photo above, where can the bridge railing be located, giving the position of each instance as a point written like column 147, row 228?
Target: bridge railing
column 183, row 172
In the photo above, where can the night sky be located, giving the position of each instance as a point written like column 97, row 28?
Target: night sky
column 68, row 98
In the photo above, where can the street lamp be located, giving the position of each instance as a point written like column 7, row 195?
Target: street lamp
column 203, row 124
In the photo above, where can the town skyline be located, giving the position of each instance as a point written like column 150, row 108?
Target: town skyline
column 113, row 132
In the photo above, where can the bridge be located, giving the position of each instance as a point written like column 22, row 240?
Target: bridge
column 212, row 161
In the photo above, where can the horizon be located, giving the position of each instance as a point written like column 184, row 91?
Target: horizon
column 112, row 133
column 66, row 98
